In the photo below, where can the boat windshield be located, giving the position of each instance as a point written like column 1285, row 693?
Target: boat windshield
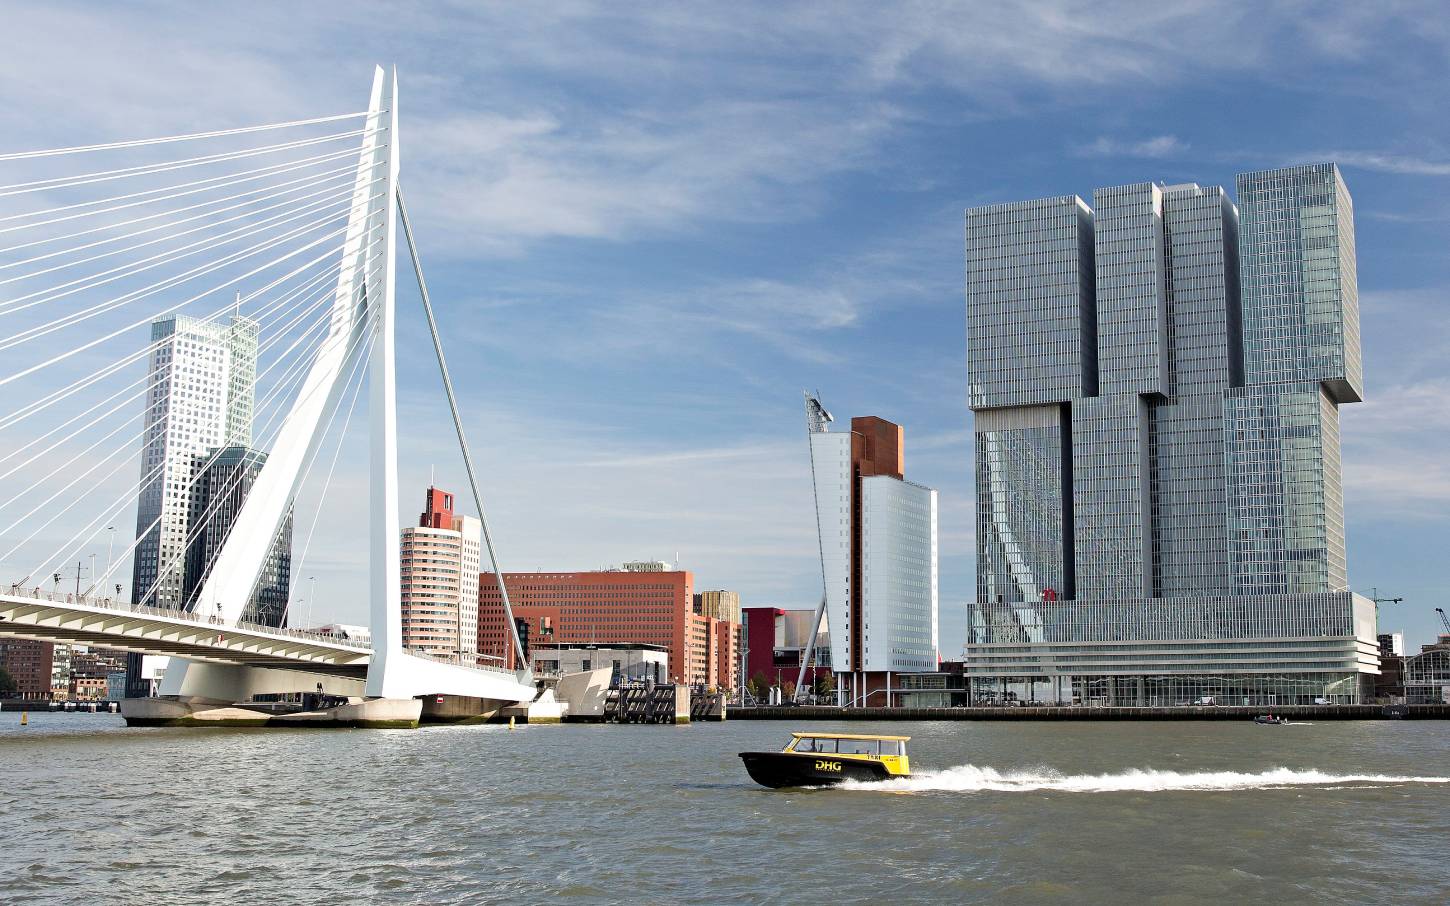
column 812, row 744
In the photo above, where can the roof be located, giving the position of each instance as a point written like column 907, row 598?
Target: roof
column 847, row 736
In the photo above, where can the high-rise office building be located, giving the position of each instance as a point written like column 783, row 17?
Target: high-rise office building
column 618, row 606
column 220, row 483
column 199, row 397
column 1155, row 381
column 439, row 571
column 878, row 545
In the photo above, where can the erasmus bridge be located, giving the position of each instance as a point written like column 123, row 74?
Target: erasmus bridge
column 290, row 230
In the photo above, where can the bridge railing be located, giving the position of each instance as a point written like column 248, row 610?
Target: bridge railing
column 458, row 661
column 53, row 597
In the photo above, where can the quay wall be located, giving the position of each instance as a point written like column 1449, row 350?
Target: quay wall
column 1218, row 712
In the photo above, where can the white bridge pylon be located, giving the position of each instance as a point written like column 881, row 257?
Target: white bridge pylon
column 361, row 324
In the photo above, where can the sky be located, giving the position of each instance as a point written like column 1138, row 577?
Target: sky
column 649, row 227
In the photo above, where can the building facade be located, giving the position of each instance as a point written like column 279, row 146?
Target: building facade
column 776, row 640
column 221, row 480
column 612, row 607
column 439, row 568
column 631, row 662
column 722, row 605
column 29, row 663
column 199, row 397
column 878, row 545
column 1155, row 382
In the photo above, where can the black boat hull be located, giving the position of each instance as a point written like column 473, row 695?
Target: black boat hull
column 786, row 769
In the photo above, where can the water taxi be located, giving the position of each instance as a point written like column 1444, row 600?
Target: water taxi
column 821, row 759
column 1270, row 719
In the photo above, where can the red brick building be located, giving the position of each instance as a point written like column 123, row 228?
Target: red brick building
column 613, row 606
column 30, row 664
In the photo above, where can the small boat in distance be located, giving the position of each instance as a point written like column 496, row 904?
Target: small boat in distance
column 1270, row 719
column 822, row 759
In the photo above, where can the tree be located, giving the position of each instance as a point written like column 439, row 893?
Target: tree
column 758, row 684
column 7, row 682
column 825, row 684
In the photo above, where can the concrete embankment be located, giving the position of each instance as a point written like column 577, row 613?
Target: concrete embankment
column 1223, row 712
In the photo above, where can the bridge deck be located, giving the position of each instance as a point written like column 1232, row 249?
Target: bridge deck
column 147, row 630
column 113, row 624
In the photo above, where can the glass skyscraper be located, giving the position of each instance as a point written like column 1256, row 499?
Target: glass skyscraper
column 1155, row 381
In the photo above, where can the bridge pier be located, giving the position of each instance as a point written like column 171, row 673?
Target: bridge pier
column 460, row 709
column 236, row 682
column 175, row 711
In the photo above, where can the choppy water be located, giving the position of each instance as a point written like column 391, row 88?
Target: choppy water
column 1354, row 812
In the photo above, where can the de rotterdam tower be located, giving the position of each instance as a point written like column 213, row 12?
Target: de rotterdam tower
column 1155, row 380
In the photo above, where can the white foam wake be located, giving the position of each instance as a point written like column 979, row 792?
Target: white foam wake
column 970, row 779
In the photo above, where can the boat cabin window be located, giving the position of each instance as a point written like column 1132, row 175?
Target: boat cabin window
column 879, row 748
column 809, row 744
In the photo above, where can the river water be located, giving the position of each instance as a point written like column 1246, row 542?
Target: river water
column 998, row 812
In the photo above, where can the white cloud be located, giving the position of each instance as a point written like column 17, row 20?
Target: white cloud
column 1157, row 146
column 1393, row 467
column 1384, row 162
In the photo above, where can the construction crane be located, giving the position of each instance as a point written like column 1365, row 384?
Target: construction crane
column 1444, row 620
column 1374, row 594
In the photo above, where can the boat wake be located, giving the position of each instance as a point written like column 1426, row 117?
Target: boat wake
column 971, row 779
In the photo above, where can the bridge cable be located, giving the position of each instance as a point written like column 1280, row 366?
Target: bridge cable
column 78, row 149
column 328, row 184
column 140, row 489
column 175, row 308
column 317, row 511
column 108, row 514
column 111, row 368
column 284, row 385
column 145, row 264
column 458, row 426
column 84, row 179
column 179, row 190
column 332, row 339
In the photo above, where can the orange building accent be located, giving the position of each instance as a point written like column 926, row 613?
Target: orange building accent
column 877, row 448
column 655, row 608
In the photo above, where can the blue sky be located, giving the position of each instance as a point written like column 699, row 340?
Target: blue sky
column 649, row 227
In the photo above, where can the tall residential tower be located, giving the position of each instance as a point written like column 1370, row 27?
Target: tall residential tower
column 439, row 568
column 1155, row 381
